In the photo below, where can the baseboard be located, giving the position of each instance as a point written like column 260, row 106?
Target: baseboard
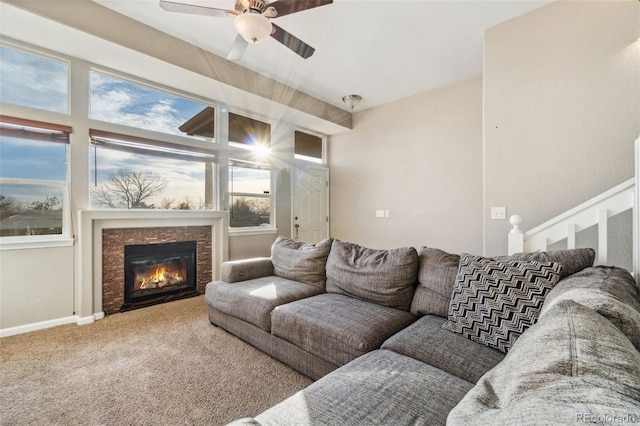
column 21, row 329
column 5, row 332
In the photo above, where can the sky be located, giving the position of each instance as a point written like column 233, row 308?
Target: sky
column 43, row 83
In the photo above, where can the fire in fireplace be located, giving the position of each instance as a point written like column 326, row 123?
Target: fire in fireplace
column 157, row 273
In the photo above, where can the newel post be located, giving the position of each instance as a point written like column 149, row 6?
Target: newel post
column 516, row 237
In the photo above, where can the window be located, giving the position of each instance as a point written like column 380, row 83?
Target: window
column 137, row 173
column 308, row 147
column 249, row 194
column 122, row 102
column 33, row 177
column 246, row 132
column 33, row 81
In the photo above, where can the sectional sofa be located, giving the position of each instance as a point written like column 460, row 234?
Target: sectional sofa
column 408, row 336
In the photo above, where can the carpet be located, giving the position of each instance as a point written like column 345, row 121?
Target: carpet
column 160, row 365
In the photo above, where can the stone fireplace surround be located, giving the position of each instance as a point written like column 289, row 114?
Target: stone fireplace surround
column 114, row 241
column 89, row 303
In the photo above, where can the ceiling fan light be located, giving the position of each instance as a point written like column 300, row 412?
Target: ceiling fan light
column 253, row 27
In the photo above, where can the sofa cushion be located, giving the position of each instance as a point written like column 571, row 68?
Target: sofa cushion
column 385, row 277
column 438, row 270
column 493, row 302
column 253, row 300
column 436, row 276
column 426, row 341
column 610, row 291
column 380, row 388
column 299, row 261
column 572, row 260
column 572, row 367
column 335, row 327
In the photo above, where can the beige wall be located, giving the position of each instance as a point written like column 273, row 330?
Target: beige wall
column 561, row 109
column 421, row 159
column 36, row 285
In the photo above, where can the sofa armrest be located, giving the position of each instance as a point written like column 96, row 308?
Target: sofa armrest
column 246, row 269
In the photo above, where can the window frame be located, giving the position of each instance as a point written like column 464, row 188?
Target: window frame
column 65, row 237
column 306, row 159
column 248, row 230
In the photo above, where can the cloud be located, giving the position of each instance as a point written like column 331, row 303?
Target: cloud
column 33, row 81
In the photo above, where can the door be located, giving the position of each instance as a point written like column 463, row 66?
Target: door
column 310, row 204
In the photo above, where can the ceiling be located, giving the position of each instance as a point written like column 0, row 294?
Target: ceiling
column 382, row 50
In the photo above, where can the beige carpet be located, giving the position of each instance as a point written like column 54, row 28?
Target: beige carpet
column 161, row 365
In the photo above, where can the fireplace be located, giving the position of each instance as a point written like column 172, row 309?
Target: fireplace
column 155, row 273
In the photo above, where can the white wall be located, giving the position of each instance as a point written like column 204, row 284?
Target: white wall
column 561, row 109
column 421, row 159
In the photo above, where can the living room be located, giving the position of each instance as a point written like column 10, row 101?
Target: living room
column 505, row 138
column 549, row 123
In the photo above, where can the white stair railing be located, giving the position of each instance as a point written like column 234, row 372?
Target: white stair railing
column 596, row 211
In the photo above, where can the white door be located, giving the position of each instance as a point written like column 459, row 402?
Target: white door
column 310, row 204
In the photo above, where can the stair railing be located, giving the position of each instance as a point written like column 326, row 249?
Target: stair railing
column 596, row 211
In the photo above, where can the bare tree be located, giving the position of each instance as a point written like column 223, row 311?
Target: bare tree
column 127, row 188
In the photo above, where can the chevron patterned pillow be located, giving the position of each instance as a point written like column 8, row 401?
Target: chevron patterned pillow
column 494, row 302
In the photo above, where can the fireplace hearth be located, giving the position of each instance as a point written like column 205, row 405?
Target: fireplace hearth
column 157, row 273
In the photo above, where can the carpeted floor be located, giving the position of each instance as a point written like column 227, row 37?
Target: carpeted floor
column 161, row 365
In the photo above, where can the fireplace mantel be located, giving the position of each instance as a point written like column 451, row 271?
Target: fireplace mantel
column 88, row 297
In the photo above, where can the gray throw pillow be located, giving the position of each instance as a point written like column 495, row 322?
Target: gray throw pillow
column 436, row 277
column 299, row 261
column 385, row 277
column 494, row 302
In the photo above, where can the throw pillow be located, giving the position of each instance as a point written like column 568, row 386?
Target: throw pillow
column 494, row 302
column 299, row 261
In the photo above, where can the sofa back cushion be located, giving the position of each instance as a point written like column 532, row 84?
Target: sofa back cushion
column 436, row 276
column 299, row 261
column 386, row 277
column 438, row 270
column 572, row 367
column 572, row 260
column 610, row 291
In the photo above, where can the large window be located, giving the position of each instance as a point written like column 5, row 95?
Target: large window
column 33, row 80
column 136, row 173
column 122, row 102
column 33, row 177
column 249, row 194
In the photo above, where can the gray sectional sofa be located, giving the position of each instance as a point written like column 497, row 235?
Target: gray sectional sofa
column 408, row 336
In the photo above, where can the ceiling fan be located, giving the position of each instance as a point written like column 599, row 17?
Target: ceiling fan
column 252, row 21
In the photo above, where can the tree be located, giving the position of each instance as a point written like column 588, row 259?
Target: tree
column 127, row 188
column 8, row 207
column 248, row 212
column 49, row 203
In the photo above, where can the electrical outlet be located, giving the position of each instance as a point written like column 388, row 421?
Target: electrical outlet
column 498, row 213
column 379, row 213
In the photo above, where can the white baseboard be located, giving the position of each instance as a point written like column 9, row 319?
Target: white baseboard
column 21, row 329
column 5, row 332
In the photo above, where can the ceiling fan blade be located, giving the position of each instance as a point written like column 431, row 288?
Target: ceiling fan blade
column 292, row 42
column 237, row 48
column 171, row 6
column 287, row 7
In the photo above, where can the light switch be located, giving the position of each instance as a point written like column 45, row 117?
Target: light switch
column 379, row 213
column 498, row 213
